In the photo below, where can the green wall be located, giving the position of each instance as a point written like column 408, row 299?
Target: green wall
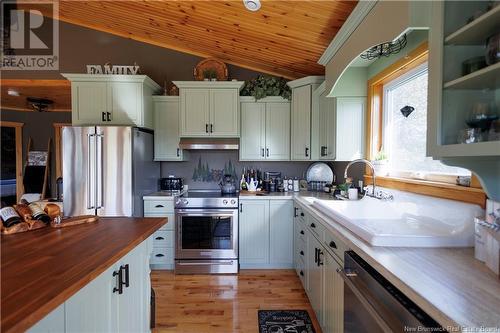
column 352, row 83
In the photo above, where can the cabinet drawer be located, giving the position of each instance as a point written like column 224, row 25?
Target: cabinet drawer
column 158, row 206
column 162, row 255
column 300, row 249
column 301, row 272
column 301, row 233
column 315, row 227
column 335, row 245
column 163, row 238
column 170, row 225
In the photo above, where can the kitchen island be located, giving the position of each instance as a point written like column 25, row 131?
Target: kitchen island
column 43, row 269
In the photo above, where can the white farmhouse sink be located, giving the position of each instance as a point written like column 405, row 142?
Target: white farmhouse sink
column 410, row 220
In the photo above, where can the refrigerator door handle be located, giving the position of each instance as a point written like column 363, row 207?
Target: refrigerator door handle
column 99, row 172
column 90, row 170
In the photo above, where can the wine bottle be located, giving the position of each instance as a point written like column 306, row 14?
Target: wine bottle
column 24, row 212
column 38, row 213
column 9, row 216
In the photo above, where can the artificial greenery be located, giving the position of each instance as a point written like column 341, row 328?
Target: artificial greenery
column 209, row 73
column 263, row 86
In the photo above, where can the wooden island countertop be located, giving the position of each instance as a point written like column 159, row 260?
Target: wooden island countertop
column 41, row 269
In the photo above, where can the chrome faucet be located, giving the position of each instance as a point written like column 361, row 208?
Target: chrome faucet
column 374, row 193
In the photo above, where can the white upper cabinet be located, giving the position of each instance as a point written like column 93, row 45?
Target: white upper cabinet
column 350, row 128
column 166, row 126
column 209, row 108
column 323, row 133
column 265, row 129
column 301, row 116
column 112, row 99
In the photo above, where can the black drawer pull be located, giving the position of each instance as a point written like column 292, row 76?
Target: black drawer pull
column 118, row 289
column 313, row 225
column 295, row 212
column 159, row 238
column 301, row 253
column 333, row 245
column 159, row 206
column 159, row 255
column 316, row 255
column 301, row 214
column 127, row 276
column 301, row 232
column 301, row 273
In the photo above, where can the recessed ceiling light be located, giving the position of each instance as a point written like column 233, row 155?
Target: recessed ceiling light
column 12, row 92
column 252, row 5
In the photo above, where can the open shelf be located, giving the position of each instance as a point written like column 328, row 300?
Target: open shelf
column 477, row 31
column 486, row 78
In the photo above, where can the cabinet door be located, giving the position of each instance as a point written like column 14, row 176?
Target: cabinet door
column 51, row 323
column 281, row 232
column 167, row 131
column 253, row 131
column 327, row 128
column 88, row 103
column 92, row 308
column 194, row 112
column 333, row 307
column 301, row 123
column 314, row 274
column 224, row 112
column 278, row 131
column 350, row 128
column 131, row 308
column 254, row 231
column 125, row 103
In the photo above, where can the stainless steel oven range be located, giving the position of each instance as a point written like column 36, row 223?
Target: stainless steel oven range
column 206, row 224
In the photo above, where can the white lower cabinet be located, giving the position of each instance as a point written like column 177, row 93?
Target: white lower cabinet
column 318, row 254
column 162, row 256
column 102, row 305
column 266, row 233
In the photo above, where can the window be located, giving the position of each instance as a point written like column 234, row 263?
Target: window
column 404, row 138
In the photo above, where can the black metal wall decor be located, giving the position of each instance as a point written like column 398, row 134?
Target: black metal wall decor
column 407, row 110
column 385, row 49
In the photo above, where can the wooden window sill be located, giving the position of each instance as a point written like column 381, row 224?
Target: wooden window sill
column 441, row 190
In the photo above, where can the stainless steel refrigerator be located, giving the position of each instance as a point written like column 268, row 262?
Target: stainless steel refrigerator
column 107, row 170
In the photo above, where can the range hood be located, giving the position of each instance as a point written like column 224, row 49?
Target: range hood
column 209, row 143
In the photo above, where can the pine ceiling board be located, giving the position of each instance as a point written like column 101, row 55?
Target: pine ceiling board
column 58, row 91
column 283, row 38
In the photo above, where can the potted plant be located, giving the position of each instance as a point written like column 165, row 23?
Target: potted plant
column 263, row 86
column 380, row 163
column 210, row 74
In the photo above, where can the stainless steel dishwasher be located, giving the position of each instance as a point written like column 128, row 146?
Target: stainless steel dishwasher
column 372, row 304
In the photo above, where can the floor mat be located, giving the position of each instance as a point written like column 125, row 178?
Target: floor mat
column 285, row 321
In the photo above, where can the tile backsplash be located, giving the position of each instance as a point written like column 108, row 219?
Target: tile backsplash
column 205, row 167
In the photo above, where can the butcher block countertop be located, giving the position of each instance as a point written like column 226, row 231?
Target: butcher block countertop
column 41, row 269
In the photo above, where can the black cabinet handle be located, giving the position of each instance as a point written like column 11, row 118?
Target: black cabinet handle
column 315, row 255
column 295, row 211
column 159, row 206
column 333, row 245
column 159, row 255
column 313, row 225
column 178, row 152
column 159, row 238
column 206, row 128
column 307, row 152
column 301, row 273
column 262, row 152
column 211, row 128
column 323, row 151
column 301, row 232
column 103, row 116
column 301, row 214
column 108, row 116
column 267, row 152
column 125, row 268
column 241, row 208
column 320, row 253
column 118, row 289
column 301, row 253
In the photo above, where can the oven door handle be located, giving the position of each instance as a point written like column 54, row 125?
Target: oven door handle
column 197, row 263
column 364, row 301
column 207, row 213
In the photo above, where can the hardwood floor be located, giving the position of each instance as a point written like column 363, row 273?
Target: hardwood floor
column 224, row 303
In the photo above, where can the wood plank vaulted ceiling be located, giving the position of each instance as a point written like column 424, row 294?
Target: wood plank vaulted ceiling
column 284, row 38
